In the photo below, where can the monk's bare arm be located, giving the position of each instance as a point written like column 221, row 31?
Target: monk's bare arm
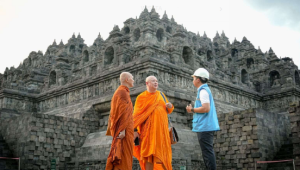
column 170, row 109
column 169, row 105
column 121, row 134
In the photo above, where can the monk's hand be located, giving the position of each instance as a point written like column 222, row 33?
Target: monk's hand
column 136, row 135
column 121, row 134
column 189, row 108
column 169, row 105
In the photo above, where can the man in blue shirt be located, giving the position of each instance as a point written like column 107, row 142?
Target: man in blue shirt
column 205, row 120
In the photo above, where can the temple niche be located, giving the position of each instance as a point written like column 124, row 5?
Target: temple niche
column 72, row 49
column 52, row 78
column 234, row 52
column 109, row 56
column 209, row 55
column 274, row 78
column 187, row 55
column 244, row 77
column 169, row 29
column 136, row 34
column 201, row 52
column 160, row 34
column 250, row 63
column 297, row 78
column 126, row 30
column 86, row 56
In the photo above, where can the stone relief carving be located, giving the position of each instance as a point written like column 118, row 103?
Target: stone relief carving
column 75, row 62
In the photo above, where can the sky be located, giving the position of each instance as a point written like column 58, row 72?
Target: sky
column 33, row 25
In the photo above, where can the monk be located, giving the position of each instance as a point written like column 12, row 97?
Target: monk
column 120, row 126
column 151, row 126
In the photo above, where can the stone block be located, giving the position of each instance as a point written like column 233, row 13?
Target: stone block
column 294, row 118
column 42, row 139
column 292, row 109
column 247, row 128
column 66, row 142
column 250, row 141
column 256, row 155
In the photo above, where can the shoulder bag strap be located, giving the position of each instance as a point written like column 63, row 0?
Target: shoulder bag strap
column 170, row 123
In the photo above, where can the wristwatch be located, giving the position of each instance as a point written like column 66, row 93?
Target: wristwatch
column 192, row 110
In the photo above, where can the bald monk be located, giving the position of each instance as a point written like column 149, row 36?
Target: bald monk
column 120, row 126
column 151, row 126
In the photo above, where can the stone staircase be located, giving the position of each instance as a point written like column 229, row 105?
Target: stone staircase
column 285, row 153
column 6, row 164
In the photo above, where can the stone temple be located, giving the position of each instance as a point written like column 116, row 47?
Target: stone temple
column 54, row 106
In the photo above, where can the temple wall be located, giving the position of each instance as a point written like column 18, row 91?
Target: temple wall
column 294, row 115
column 17, row 104
column 248, row 136
column 38, row 138
column 75, row 99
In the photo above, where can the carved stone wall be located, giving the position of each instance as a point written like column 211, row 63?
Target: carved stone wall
column 75, row 80
column 242, row 74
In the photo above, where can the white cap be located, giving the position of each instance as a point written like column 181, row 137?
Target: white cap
column 201, row 72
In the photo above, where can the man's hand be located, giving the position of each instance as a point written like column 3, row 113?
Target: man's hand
column 189, row 108
column 169, row 105
column 121, row 134
column 136, row 135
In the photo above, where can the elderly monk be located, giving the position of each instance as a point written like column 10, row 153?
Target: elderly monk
column 120, row 126
column 151, row 126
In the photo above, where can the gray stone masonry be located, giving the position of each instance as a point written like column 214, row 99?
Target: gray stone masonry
column 295, row 126
column 68, row 88
column 96, row 148
column 38, row 138
column 69, row 78
column 248, row 136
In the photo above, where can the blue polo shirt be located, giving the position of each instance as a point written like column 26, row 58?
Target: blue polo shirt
column 203, row 122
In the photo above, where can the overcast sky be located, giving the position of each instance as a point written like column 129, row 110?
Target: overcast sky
column 32, row 25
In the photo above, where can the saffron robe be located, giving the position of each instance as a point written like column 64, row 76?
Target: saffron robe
column 120, row 155
column 151, row 119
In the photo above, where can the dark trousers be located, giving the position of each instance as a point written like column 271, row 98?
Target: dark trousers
column 206, row 141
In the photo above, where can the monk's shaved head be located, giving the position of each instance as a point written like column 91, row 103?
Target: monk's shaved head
column 151, row 83
column 150, row 78
column 126, row 79
column 124, row 76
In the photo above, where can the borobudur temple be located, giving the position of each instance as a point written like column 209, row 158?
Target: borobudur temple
column 55, row 105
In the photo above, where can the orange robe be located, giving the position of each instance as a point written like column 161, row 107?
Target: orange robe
column 120, row 155
column 151, row 119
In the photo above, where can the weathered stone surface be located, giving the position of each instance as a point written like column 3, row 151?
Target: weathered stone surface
column 37, row 149
column 294, row 113
column 77, row 81
column 247, row 144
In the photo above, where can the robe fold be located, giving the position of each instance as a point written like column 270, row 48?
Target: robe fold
column 151, row 119
column 120, row 155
